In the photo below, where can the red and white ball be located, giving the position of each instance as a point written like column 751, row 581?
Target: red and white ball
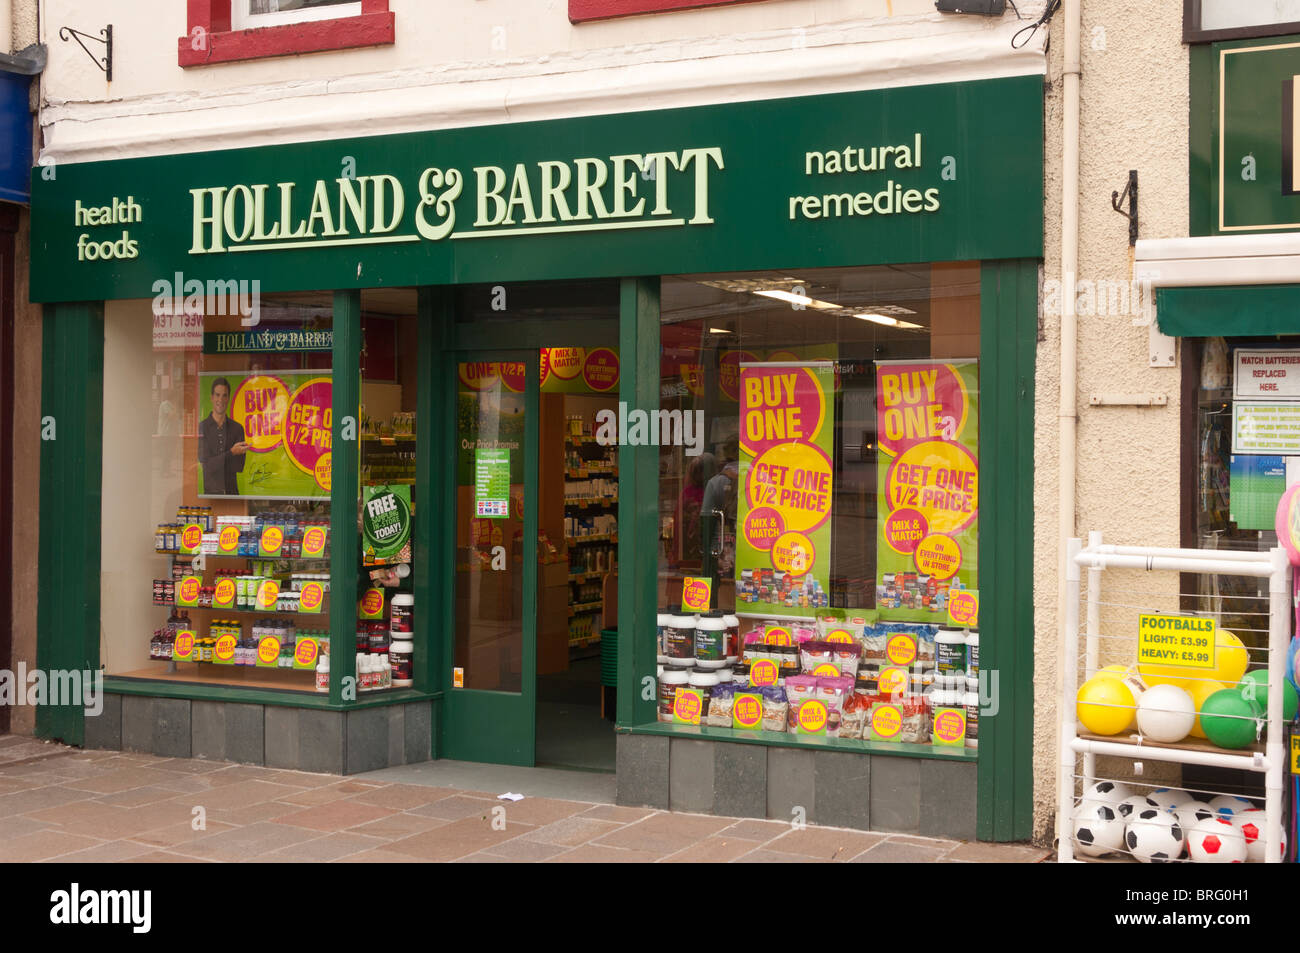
column 1216, row 840
column 1251, row 825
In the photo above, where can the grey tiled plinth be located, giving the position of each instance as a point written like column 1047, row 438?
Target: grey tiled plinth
column 303, row 739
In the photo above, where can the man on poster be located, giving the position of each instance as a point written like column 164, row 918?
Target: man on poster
column 221, row 445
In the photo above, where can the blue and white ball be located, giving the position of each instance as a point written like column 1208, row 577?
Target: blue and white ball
column 1227, row 805
column 1168, row 798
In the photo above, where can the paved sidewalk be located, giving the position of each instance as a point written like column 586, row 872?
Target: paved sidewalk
column 67, row 805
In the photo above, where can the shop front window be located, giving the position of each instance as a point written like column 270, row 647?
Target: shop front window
column 818, row 439
column 1247, row 452
column 386, row 617
column 216, row 484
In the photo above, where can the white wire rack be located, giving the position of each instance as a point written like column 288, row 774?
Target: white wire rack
column 1264, row 618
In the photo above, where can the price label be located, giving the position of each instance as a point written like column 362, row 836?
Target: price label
column 1185, row 641
column 812, row 717
column 901, row 648
column 950, row 726
column 314, row 542
column 224, row 596
column 223, row 653
column 1295, row 754
column 687, row 704
column 183, row 647
column 765, row 672
column 371, row 605
column 268, row 594
column 271, row 541
column 826, row 670
column 696, row 594
column 747, row 711
column 886, row 722
column 187, row 591
column 778, row 635
column 311, row 598
column 305, row 652
column 191, row 540
column 228, row 541
column 839, row 635
column 964, row 608
column 893, row 681
column 268, row 652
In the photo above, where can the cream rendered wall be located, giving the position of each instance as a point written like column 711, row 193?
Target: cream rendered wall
column 1134, row 115
column 474, row 62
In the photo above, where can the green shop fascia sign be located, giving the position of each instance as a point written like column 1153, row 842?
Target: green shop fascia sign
column 929, row 173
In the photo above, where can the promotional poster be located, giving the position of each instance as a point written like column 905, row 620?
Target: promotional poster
column 783, row 536
column 927, row 486
column 265, row 435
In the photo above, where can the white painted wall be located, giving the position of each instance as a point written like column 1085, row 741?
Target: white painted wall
column 445, row 71
column 1134, row 115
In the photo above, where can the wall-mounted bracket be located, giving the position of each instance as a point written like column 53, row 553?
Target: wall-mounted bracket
column 66, row 33
column 1131, row 193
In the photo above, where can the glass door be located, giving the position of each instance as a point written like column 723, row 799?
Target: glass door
column 491, row 531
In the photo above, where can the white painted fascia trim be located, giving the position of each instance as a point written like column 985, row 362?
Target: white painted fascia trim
column 1219, row 260
column 580, row 84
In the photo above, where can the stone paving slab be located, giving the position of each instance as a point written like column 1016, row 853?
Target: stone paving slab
column 65, row 805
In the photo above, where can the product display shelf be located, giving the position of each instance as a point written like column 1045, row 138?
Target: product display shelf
column 590, row 575
column 1266, row 757
column 584, row 607
column 323, row 614
column 236, row 676
column 589, row 501
column 597, row 538
column 581, row 473
column 292, row 559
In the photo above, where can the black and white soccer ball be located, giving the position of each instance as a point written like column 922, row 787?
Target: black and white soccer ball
column 1106, row 792
column 1154, row 836
column 1134, row 803
column 1098, row 829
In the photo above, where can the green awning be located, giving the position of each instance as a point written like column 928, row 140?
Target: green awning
column 1231, row 311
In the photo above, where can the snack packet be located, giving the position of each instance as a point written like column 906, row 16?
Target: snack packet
column 776, row 708
column 847, row 658
column 721, row 700
column 818, row 658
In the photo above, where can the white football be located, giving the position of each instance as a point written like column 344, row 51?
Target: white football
column 1191, row 812
column 1134, row 803
column 1153, row 836
column 1216, row 841
column 1106, row 792
column 1098, row 829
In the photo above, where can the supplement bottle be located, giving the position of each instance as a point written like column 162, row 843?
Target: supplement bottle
column 669, row 682
column 711, row 641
